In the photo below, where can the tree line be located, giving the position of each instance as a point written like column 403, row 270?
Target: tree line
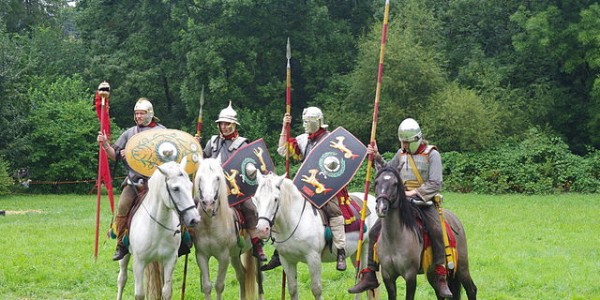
column 478, row 75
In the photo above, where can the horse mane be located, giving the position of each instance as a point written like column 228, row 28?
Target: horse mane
column 213, row 166
column 407, row 210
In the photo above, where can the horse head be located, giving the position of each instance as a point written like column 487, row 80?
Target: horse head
column 389, row 190
column 210, row 186
column 267, row 199
column 179, row 191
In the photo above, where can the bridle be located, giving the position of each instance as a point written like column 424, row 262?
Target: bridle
column 179, row 211
column 385, row 197
column 272, row 222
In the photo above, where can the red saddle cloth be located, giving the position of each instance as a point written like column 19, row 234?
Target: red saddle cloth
column 427, row 238
column 351, row 212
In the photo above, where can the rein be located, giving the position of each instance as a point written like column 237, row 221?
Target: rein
column 272, row 221
column 175, row 231
column 386, row 197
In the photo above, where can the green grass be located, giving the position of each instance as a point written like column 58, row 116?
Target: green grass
column 520, row 247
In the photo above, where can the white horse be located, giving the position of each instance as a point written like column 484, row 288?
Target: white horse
column 218, row 236
column 298, row 231
column 155, row 232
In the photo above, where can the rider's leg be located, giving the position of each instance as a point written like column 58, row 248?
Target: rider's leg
column 368, row 280
column 120, row 222
column 339, row 240
column 248, row 209
column 431, row 219
column 336, row 222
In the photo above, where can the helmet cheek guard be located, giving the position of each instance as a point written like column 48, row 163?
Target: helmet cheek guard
column 312, row 119
column 144, row 105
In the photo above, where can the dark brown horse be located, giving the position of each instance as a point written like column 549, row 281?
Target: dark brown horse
column 400, row 247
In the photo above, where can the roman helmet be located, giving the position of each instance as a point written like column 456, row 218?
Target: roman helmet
column 312, row 119
column 409, row 132
column 228, row 115
column 144, row 105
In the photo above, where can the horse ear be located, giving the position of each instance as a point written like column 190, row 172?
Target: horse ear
column 259, row 177
column 162, row 169
column 280, row 180
column 183, row 162
column 379, row 164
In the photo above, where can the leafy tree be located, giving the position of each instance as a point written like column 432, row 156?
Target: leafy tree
column 60, row 145
column 460, row 120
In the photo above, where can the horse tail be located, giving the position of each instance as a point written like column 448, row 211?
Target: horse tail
column 154, row 283
column 250, row 275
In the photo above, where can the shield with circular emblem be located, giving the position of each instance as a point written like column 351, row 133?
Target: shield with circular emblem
column 148, row 149
column 241, row 169
column 330, row 166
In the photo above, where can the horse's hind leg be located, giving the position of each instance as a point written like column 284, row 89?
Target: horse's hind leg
column 467, row 282
column 122, row 278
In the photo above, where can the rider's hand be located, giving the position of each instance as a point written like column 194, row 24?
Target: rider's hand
column 372, row 148
column 287, row 119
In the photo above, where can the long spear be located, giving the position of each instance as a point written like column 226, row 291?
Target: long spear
column 199, row 136
column 288, row 110
column 199, row 122
column 363, row 212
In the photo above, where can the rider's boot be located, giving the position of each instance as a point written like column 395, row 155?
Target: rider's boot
column 257, row 249
column 368, row 281
column 442, row 285
column 120, row 227
column 368, row 277
column 339, row 240
column 273, row 263
column 341, row 260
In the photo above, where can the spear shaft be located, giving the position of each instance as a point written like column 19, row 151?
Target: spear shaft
column 288, row 110
column 363, row 212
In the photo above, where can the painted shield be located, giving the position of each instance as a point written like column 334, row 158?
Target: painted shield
column 240, row 170
column 148, row 149
column 329, row 166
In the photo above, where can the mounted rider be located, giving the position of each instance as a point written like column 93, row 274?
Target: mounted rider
column 422, row 175
column 222, row 146
column 134, row 183
column 299, row 147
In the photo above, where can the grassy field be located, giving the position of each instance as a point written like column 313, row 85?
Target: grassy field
column 520, row 247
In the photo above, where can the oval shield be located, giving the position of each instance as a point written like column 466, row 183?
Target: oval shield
column 148, row 149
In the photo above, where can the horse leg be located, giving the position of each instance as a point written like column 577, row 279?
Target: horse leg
column 122, row 278
column 390, row 284
column 223, row 263
column 291, row 273
column 464, row 277
column 205, row 285
column 411, row 286
column 138, row 278
column 168, row 268
column 314, row 267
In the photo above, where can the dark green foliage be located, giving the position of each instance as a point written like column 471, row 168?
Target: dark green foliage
column 538, row 164
column 6, row 181
column 61, row 143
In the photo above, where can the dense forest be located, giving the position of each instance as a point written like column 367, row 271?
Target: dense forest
column 484, row 78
